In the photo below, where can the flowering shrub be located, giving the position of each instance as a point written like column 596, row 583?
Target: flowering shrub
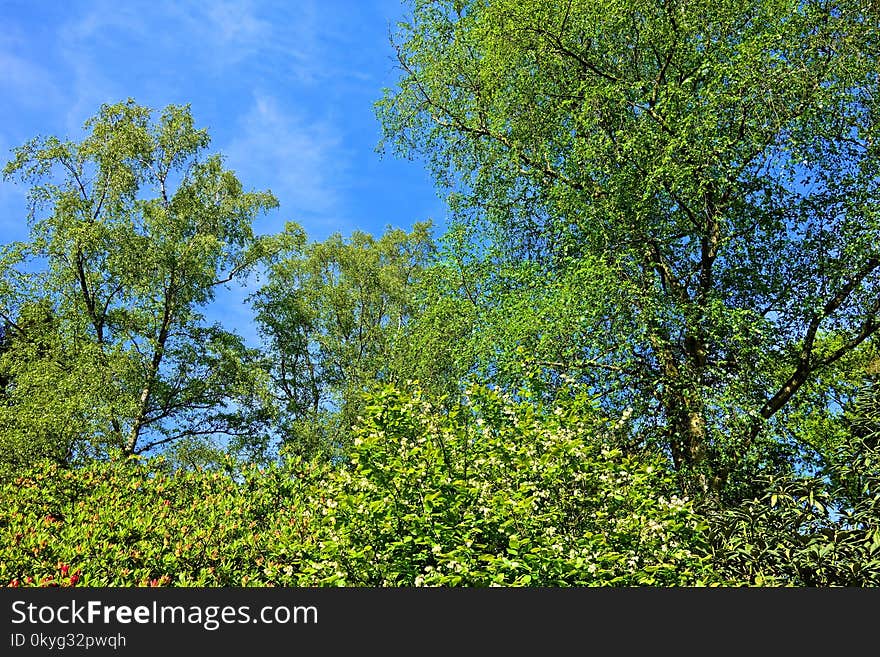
column 499, row 496
column 495, row 494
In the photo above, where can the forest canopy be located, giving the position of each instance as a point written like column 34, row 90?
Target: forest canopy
column 643, row 351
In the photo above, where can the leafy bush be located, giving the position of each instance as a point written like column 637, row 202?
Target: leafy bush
column 807, row 531
column 494, row 494
column 500, row 495
column 130, row 524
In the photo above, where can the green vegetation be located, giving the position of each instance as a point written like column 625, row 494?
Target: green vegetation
column 105, row 347
column 643, row 353
column 498, row 494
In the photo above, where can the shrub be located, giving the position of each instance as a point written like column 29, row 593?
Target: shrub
column 496, row 493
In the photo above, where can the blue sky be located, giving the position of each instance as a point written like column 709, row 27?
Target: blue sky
column 285, row 89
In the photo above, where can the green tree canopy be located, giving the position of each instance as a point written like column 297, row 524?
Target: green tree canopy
column 133, row 228
column 681, row 201
column 333, row 315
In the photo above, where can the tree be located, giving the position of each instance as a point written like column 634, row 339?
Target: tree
column 681, row 200
column 132, row 230
column 333, row 314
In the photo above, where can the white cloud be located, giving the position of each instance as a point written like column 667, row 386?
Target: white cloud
column 25, row 82
column 109, row 45
column 218, row 34
column 235, row 23
column 302, row 160
column 214, row 35
column 164, row 46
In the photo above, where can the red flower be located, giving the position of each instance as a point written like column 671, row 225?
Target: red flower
column 74, row 579
column 14, row 584
column 64, row 568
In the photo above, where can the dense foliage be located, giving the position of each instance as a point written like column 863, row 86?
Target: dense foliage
column 132, row 229
column 333, row 315
column 643, row 352
column 510, row 498
column 678, row 203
